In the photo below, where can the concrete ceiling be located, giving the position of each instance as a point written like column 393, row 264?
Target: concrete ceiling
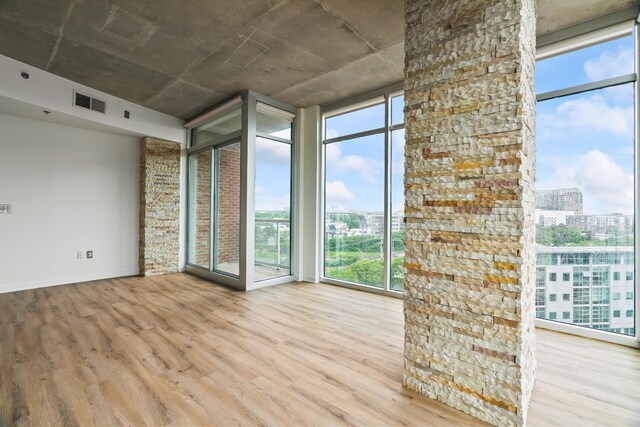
column 554, row 15
column 182, row 57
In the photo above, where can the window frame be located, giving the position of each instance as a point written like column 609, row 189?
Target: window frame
column 565, row 45
column 248, row 101
column 381, row 95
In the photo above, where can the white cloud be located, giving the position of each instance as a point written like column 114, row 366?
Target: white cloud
column 585, row 114
column 606, row 187
column 273, row 152
column 610, row 64
column 332, row 152
column 331, row 133
column 398, row 167
column 367, row 168
column 265, row 202
column 619, row 95
column 338, row 193
column 595, row 113
column 361, row 165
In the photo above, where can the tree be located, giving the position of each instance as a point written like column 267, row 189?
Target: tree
column 561, row 235
column 365, row 271
column 351, row 219
column 370, row 244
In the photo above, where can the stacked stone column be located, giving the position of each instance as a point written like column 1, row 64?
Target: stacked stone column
column 469, row 186
column 159, row 235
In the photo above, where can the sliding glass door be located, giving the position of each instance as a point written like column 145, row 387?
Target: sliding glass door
column 241, row 222
column 214, row 209
column 272, row 209
column 227, row 210
column 200, row 203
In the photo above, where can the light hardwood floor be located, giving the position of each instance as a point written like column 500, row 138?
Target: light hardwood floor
column 176, row 350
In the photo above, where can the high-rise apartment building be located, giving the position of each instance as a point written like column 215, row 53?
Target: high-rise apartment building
column 545, row 218
column 612, row 224
column 560, row 199
column 587, row 286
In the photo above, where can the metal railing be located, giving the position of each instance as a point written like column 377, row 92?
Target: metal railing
column 269, row 240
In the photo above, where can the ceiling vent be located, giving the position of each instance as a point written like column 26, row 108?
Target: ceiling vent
column 85, row 101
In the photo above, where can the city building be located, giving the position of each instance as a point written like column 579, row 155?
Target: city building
column 545, row 217
column 587, row 286
column 560, row 199
column 397, row 222
column 336, row 229
column 615, row 224
column 375, row 223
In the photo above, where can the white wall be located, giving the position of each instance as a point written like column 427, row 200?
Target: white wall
column 310, row 203
column 71, row 190
column 55, row 94
column 46, row 91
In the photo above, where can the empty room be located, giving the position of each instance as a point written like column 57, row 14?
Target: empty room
column 319, row 212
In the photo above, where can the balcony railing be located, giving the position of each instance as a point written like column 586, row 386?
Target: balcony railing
column 273, row 237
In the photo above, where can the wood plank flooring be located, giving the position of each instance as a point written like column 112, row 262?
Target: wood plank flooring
column 176, row 350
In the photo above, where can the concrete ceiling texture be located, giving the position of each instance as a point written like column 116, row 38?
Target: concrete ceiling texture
column 182, row 57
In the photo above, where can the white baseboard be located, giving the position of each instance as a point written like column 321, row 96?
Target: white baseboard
column 13, row 287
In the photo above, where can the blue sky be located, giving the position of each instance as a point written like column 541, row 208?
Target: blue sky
column 586, row 140
column 583, row 141
column 273, row 175
column 355, row 167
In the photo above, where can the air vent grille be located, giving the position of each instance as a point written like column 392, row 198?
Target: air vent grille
column 85, row 101
column 98, row 105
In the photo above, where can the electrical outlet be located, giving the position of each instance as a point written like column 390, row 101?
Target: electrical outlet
column 5, row 209
column 79, row 255
column 89, row 254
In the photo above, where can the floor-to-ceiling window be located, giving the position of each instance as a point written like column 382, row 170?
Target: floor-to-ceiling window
column 213, row 193
column 240, row 193
column 585, row 190
column 274, row 154
column 200, row 201
column 226, row 256
column 363, row 157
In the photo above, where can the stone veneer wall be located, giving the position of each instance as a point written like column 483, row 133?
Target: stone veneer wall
column 469, row 178
column 159, row 244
